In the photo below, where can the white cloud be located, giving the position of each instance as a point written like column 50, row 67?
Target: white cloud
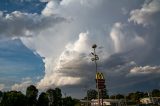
column 82, row 44
column 144, row 70
column 56, row 79
column 23, row 85
column 52, row 45
column 87, row 3
column 2, row 86
column 122, row 69
column 50, row 8
column 145, row 15
column 73, row 57
column 25, row 24
column 66, row 59
column 123, row 38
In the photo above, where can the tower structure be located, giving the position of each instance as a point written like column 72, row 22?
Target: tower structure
column 100, row 81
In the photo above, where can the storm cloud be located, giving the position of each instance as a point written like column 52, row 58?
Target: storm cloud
column 126, row 34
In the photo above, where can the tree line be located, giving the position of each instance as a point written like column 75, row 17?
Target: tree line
column 52, row 97
column 136, row 96
column 133, row 97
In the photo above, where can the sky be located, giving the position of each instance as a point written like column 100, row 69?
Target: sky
column 48, row 43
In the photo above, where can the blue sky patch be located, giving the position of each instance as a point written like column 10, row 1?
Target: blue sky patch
column 17, row 61
column 29, row 6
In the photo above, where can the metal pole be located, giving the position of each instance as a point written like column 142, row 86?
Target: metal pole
column 95, row 56
column 87, row 99
column 125, row 100
column 115, row 100
column 102, row 96
column 95, row 60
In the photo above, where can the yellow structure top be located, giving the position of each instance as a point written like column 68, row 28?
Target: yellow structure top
column 99, row 75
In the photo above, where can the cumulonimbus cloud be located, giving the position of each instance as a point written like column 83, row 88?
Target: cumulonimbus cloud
column 69, row 63
column 66, row 55
column 72, row 65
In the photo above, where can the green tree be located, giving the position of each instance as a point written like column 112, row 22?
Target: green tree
column 58, row 97
column 1, row 94
column 51, row 97
column 31, row 94
column 112, row 97
column 130, row 96
column 145, row 94
column 76, row 102
column 68, row 101
column 55, row 97
column 43, row 99
column 13, row 98
column 119, row 96
column 105, row 94
column 156, row 93
column 135, row 97
column 92, row 94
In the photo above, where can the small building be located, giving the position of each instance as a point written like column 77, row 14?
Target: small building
column 150, row 100
column 85, row 103
column 108, row 102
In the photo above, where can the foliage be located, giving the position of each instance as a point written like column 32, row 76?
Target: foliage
column 31, row 94
column 68, row 101
column 112, row 97
column 55, row 97
column 1, row 93
column 52, row 97
column 58, row 97
column 118, row 96
column 13, row 98
column 43, row 99
column 76, row 102
column 135, row 97
column 92, row 94
column 105, row 94
column 156, row 93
